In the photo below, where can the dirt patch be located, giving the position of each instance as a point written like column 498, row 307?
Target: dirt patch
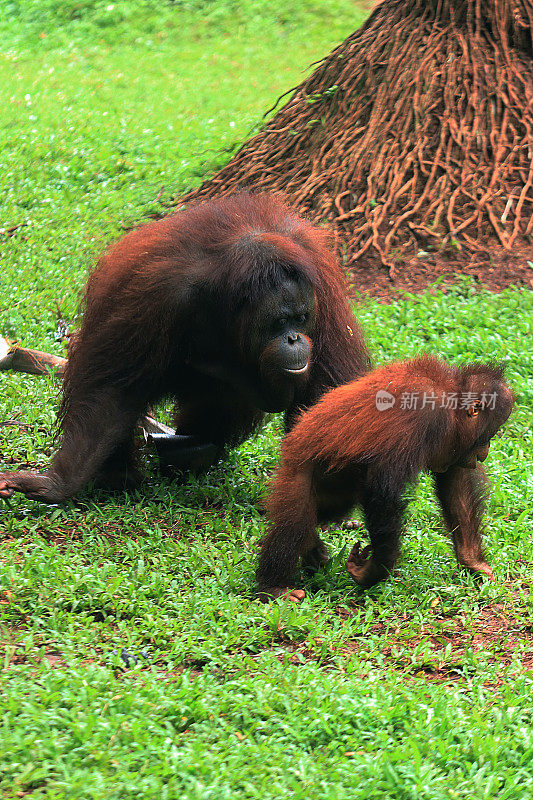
column 497, row 271
column 63, row 535
column 13, row 652
column 502, row 638
column 123, row 662
column 444, row 649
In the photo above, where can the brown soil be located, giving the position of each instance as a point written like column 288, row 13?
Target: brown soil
column 495, row 272
column 503, row 637
column 62, row 536
column 496, row 631
column 499, row 634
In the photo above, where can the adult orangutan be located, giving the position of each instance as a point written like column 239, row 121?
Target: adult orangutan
column 234, row 307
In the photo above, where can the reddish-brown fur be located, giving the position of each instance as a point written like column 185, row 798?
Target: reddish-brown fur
column 344, row 452
column 170, row 310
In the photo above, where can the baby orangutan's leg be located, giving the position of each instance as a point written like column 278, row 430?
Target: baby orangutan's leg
column 374, row 563
column 461, row 493
column 292, row 535
column 316, row 557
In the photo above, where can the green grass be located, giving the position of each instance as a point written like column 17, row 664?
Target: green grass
column 394, row 693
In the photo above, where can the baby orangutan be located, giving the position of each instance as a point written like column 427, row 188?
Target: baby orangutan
column 361, row 444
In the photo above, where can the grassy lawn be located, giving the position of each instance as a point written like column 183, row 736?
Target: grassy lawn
column 135, row 661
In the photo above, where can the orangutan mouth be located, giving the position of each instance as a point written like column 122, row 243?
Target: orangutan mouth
column 298, row 370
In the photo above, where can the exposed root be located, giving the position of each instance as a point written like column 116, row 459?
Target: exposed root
column 419, row 126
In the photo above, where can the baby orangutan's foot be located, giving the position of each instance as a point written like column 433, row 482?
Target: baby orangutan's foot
column 362, row 567
column 6, row 488
column 480, row 569
column 283, row 592
column 359, row 562
column 471, row 558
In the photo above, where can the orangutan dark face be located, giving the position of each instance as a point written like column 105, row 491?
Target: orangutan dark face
column 279, row 341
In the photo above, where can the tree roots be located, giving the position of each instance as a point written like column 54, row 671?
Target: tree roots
column 419, row 127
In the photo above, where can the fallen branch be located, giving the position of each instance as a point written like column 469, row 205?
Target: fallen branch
column 23, row 359
column 10, row 231
column 33, row 362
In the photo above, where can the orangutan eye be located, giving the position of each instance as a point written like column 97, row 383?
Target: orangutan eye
column 302, row 319
column 474, row 409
